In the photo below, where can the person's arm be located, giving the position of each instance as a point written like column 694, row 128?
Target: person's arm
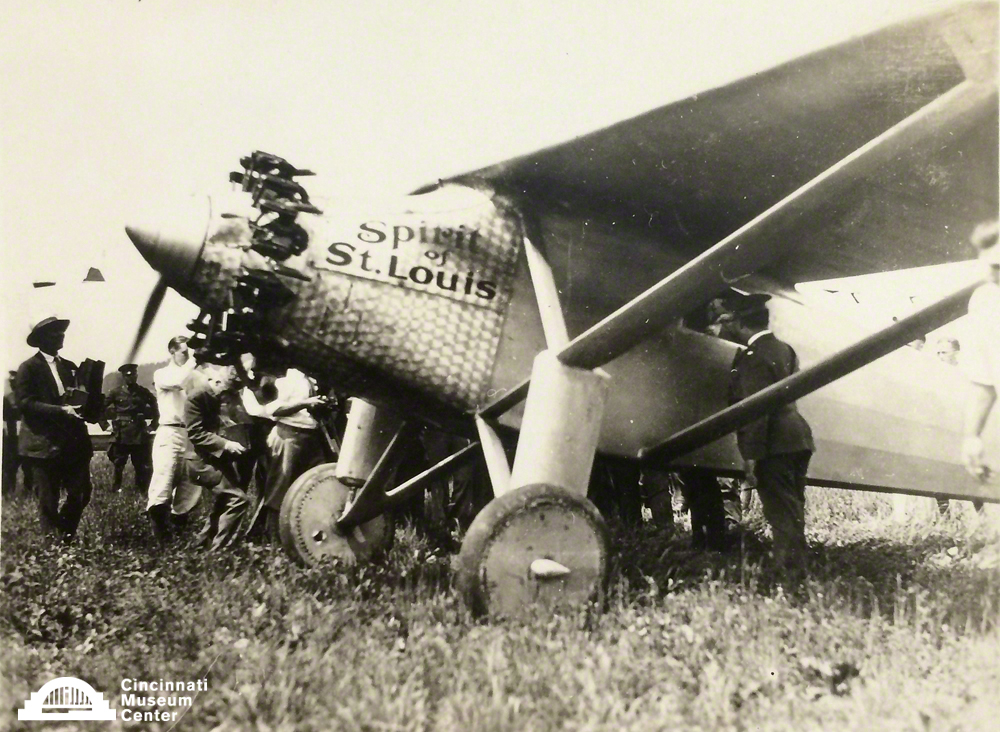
column 284, row 409
column 754, row 376
column 173, row 378
column 977, row 410
column 28, row 400
column 293, row 396
column 149, row 408
column 251, row 405
column 200, row 437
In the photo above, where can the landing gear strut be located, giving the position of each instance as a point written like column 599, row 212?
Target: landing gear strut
column 540, row 542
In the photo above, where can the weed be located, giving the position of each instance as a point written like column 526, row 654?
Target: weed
column 896, row 628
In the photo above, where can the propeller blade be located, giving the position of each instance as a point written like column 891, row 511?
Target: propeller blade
column 148, row 316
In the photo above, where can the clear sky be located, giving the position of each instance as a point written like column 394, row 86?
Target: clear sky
column 110, row 106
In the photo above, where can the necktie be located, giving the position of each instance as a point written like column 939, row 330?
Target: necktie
column 54, row 366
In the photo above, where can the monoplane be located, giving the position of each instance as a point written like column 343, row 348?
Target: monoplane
column 552, row 295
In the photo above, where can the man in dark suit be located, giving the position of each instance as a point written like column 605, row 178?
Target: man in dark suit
column 211, row 460
column 128, row 407
column 776, row 448
column 53, row 441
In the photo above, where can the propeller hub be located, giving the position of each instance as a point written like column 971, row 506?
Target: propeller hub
column 171, row 239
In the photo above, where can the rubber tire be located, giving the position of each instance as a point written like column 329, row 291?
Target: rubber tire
column 502, row 515
column 318, row 491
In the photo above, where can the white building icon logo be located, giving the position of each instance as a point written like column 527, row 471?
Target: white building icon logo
column 67, row 698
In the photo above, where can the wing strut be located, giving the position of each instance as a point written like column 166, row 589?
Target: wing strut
column 761, row 240
column 809, row 380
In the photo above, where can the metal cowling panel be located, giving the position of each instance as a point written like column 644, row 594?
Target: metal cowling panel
column 359, row 330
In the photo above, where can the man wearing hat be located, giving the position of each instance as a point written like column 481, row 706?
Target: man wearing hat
column 128, row 407
column 53, row 441
column 776, row 448
column 981, row 349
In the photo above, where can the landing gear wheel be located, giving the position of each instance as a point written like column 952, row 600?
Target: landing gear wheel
column 307, row 523
column 536, row 546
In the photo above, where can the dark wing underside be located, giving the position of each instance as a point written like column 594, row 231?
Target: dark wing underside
column 681, row 178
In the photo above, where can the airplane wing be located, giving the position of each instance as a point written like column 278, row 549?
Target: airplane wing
column 685, row 176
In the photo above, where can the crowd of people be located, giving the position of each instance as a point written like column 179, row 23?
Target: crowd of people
column 217, row 428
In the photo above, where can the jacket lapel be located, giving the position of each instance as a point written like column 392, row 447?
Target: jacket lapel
column 43, row 368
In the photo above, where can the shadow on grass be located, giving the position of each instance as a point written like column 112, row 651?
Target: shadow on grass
column 114, row 578
column 868, row 575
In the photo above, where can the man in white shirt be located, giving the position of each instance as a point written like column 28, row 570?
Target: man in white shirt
column 168, row 491
column 981, row 349
column 295, row 444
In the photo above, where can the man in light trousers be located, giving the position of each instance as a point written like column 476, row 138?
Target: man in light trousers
column 170, row 495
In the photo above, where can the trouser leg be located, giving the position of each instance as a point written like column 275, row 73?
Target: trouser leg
column 9, row 465
column 657, row 491
column 78, row 488
column 118, row 455
column 292, row 453
column 142, row 461
column 159, row 520
column 166, row 457
column 781, row 485
column 203, row 539
column 270, row 518
column 28, row 471
column 614, row 488
column 167, row 464
column 229, row 505
column 625, row 476
column 228, row 510
column 704, row 498
column 48, row 481
column 202, row 474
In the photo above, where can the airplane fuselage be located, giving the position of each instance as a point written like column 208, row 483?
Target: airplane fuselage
column 427, row 304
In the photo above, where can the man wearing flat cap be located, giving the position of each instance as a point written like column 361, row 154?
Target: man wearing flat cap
column 981, row 349
column 776, row 448
column 128, row 407
column 53, row 441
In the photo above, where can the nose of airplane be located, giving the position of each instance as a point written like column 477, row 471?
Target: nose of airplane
column 171, row 238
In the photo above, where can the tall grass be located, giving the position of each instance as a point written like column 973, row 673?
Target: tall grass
column 897, row 628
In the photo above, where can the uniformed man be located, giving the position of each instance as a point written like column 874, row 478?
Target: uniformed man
column 776, row 448
column 128, row 407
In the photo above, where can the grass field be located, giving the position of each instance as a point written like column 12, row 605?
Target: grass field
column 897, row 629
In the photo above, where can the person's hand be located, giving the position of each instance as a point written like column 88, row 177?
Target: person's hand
column 750, row 476
column 71, row 411
column 972, row 456
column 234, row 447
column 273, row 440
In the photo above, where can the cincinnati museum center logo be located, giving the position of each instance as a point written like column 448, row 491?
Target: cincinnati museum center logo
column 67, row 698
